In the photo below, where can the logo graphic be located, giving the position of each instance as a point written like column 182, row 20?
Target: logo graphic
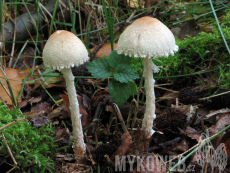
column 207, row 154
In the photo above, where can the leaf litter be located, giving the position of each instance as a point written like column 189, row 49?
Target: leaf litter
column 179, row 125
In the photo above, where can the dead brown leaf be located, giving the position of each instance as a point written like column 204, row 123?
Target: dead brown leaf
column 24, row 73
column 192, row 133
column 181, row 147
column 83, row 112
column 15, row 83
column 104, row 50
column 222, row 122
column 124, row 147
column 39, row 121
column 138, row 145
column 46, row 107
column 190, row 28
column 169, row 97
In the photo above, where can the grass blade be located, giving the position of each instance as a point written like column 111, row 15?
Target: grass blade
column 53, row 17
column 213, row 10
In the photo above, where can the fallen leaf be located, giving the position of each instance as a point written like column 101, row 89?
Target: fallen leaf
column 58, row 111
column 66, row 100
column 192, row 133
column 222, row 122
column 24, row 73
column 124, row 147
column 27, row 101
column 169, row 97
column 86, row 101
column 84, row 117
column 148, row 4
column 15, row 83
column 226, row 140
column 138, row 146
column 36, row 99
column 181, row 147
column 190, row 28
column 104, row 50
column 46, row 107
column 39, row 121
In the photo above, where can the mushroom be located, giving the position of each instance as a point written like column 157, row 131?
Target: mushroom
column 62, row 51
column 147, row 38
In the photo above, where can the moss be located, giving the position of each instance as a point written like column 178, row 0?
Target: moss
column 28, row 144
column 196, row 54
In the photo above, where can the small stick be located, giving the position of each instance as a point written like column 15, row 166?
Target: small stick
column 18, row 140
column 156, row 86
column 120, row 118
column 11, row 155
column 214, row 95
column 96, row 115
column 177, row 103
column 135, row 113
column 207, row 156
column 13, row 45
column 10, row 124
column 2, row 50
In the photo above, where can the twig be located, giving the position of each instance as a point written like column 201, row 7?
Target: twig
column 7, row 53
column 215, row 95
column 96, row 115
column 120, row 118
column 130, row 112
column 216, row 112
column 10, row 124
column 11, row 155
column 18, row 140
column 13, row 45
column 166, row 89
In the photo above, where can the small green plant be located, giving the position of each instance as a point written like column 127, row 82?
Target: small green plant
column 197, row 54
column 122, row 85
column 28, row 144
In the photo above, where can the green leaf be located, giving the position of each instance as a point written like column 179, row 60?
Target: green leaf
column 100, row 68
column 119, row 92
column 125, row 73
column 115, row 59
column 133, row 88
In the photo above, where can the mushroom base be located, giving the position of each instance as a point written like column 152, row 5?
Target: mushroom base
column 150, row 115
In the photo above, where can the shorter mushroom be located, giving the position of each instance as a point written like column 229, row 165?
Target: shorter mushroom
column 62, row 51
column 147, row 38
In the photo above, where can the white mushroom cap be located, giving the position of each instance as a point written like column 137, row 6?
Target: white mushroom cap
column 147, row 37
column 64, row 50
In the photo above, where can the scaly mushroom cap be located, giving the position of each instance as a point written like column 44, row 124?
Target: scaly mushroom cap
column 64, row 50
column 147, row 37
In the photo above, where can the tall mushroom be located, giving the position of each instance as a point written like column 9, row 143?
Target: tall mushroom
column 147, row 38
column 62, row 51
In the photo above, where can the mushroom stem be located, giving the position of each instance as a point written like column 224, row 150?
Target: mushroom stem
column 150, row 115
column 79, row 145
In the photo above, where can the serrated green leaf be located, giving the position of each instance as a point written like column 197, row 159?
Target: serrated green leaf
column 119, row 92
column 133, row 88
column 100, row 68
column 125, row 73
column 115, row 59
